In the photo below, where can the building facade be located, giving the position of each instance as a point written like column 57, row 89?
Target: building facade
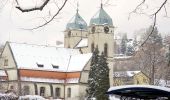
column 59, row 72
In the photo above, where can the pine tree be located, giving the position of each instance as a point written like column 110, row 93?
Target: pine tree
column 92, row 80
column 98, row 81
column 103, row 83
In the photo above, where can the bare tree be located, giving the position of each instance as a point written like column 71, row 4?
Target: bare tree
column 139, row 10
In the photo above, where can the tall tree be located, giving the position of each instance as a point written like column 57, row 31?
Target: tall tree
column 151, row 56
column 92, row 80
column 98, row 81
column 103, row 83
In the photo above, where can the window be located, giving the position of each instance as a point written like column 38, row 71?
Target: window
column 40, row 65
column 42, row 91
column 6, row 62
column 69, row 92
column 92, row 47
column 69, row 33
column 57, row 92
column 106, row 49
column 55, row 66
column 26, row 90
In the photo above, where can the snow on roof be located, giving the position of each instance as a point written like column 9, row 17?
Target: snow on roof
column 29, row 56
column 142, row 86
column 2, row 73
column 48, row 80
column 125, row 73
column 83, row 43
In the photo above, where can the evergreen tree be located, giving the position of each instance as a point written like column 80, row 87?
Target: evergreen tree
column 98, row 81
column 103, row 83
column 92, row 80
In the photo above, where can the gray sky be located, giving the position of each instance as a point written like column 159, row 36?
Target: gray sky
column 12, row 20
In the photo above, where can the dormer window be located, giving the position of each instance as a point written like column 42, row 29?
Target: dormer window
column 40, row 65
column 6, row 62
column 55, row 66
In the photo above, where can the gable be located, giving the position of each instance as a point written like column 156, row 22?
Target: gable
column 7, row 54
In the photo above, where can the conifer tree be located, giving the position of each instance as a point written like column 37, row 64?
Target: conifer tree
column 103, row 83
column 91, row 89
column 98, row 81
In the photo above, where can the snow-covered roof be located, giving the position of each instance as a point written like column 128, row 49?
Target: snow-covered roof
column 83, row 43
column 29, row 56
column 125, row 73
column 2, row 73
column 48, row 80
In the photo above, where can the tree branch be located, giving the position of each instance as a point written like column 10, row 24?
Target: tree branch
column 53, row 17
column 32, row 9
column 155, row 16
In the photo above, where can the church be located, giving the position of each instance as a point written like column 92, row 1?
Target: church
column 59, row 72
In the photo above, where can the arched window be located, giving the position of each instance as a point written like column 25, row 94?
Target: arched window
column 92, row 47
column 42, row 91
column 69, row 92
column 106, row 49
column 57, row 92
column 26, row 90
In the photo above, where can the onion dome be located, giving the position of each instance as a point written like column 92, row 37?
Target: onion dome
column 101, row 18
column 76, row 22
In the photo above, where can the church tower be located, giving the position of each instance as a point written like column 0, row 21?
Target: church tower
column 101, row 35
column 76, row 29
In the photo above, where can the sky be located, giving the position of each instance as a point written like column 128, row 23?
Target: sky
column 13, row 22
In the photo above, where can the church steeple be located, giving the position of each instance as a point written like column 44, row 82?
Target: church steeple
column 101, row 18
column 76, row 22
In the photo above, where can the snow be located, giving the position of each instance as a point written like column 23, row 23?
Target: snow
column 7, row 96
column 125, row 73
column 27, row 56
column 162, row 82
column 45, row 80
column 31, row 97
column 2, row 73
column 83, row 43
column 78, row 61
column 122, row 57
column 142, row 86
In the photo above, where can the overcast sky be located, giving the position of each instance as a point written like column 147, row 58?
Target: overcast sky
column 12, row 21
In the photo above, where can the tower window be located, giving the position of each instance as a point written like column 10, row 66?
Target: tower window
column 106, row 49
column 92, row 47
column 69, row 33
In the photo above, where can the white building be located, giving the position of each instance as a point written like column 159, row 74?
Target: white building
column 60, row 72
